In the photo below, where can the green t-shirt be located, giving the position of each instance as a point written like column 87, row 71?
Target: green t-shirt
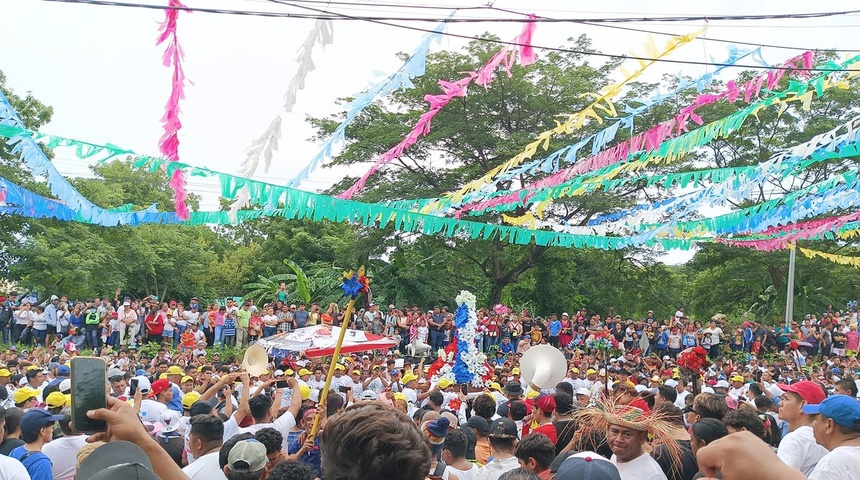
column 243, row 316
column 282, row 295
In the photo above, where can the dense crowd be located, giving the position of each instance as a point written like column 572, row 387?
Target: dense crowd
column 628, row 409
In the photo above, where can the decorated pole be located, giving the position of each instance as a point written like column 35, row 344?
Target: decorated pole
column 353, row 284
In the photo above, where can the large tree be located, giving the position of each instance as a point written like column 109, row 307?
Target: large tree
column 473, row 134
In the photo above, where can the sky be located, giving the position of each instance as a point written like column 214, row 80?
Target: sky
column 99, row 67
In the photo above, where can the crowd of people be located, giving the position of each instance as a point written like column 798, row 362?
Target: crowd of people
column 775, row 400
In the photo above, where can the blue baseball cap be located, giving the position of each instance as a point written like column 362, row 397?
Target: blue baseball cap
column 140, row 372
column 63, row 370
column 36, row 418
column 843, row 409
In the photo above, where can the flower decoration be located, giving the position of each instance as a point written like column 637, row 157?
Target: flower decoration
column 500, row 309
column 792, row 345
column 693, row 359
column 355, row 283
column 461, row 361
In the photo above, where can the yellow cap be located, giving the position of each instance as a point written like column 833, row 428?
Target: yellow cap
column 356, row 372
column 33, row 367
column 24, row 393
column 737, row 378
column 444, row 383
column 5, row 372
column 289, row 372
column 590, row 371
column 187, row 378
column 515, row 371
column 495, row 386
column 532, row 394
column 174, row 370
column 189, row 399
column 266, row 372
column 304, row 372
column 339, row 367
column 200, row 368
column 56, row 400
column 400, row 396
column 408, row 377
column 163, row 376
column 574, row 369
column 305, row 391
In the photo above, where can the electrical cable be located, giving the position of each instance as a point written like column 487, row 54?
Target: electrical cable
column 798, row 16
column 342, row 16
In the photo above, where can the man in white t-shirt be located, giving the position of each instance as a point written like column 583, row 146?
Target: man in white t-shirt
column 204, row 443
column 260, row 411
column 837, row 428
column 63, row 451
column 160, row 394
column 629, row 455
column 798, row 449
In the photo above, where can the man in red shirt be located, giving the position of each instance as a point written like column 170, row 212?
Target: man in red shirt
column 542, row 409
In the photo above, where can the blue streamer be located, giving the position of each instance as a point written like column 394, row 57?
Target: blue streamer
column 603, row 137
column 415, row 66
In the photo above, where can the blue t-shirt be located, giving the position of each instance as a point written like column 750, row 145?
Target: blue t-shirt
column 301, row 318
column 38, row 464
column 554, row 327
column 229, row 328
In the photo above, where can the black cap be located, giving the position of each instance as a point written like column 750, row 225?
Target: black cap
column 503, row 428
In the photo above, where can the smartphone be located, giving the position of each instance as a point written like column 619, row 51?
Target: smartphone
column 465, row 389
column 132, row 389
column 281, row 384
column 88, row 393
column 343, row 389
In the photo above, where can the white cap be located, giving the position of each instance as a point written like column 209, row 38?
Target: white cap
column 565, row 314
column 66, row 385
column 667, row 357
column 583, row 391
column 671, row 383
column 279, row 373
column 722, row 384
column 707, row 389
column 126, row 304
column 22, row 382
column 369, row 395
column 143, row 384
column 640, row 388
column 170, row 420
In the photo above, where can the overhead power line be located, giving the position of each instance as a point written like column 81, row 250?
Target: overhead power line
column 325, row 14
column 336, row 16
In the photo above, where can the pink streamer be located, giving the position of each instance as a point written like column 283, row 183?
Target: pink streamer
column 2, row 195
column 804, row 230
column 169, row 142
column 450, row 90
column 651, row 139
column 527, row 52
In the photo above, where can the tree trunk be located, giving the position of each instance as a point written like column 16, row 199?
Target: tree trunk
column 501, row 278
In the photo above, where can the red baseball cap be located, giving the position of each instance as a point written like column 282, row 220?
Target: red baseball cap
column 159, row 386
column 545, row 403
column 810, row 392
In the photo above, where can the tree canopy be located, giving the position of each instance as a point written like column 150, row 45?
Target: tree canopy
column 470, row 136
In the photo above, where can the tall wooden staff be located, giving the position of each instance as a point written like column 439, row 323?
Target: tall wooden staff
column 353, row 285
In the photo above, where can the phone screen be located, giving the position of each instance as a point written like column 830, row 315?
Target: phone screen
column 132, row 389
column 281, row 384
column 88, row 393
column 343, row 389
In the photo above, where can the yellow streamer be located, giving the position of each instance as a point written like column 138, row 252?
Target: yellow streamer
column 528, row 218
column 602, row 101
column 840, row 259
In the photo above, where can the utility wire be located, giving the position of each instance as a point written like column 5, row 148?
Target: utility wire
column 337, row 16
column 376, row 20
